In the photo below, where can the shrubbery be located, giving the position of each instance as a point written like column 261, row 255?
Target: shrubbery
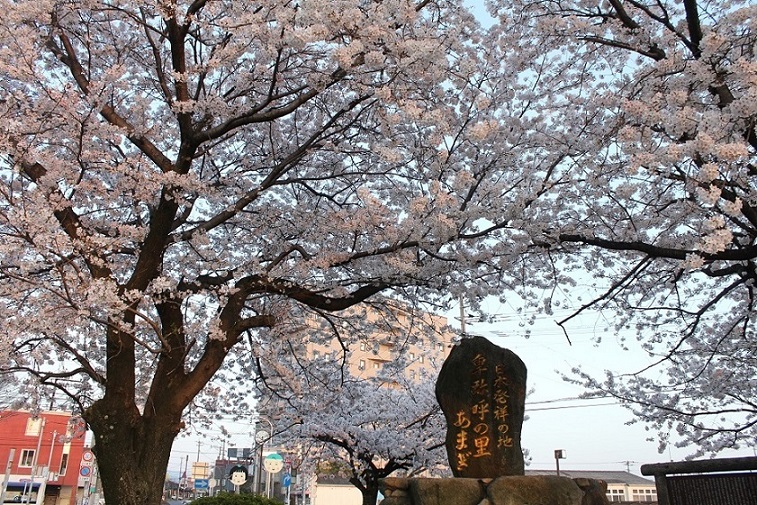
column 235, row 499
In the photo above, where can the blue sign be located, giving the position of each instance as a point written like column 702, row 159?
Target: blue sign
column 287, row 480
column 202, row 484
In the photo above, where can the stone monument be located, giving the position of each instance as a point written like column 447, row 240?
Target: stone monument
column 482, row 391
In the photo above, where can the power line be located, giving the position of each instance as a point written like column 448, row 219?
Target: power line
column 571, row 407
column 569, row 398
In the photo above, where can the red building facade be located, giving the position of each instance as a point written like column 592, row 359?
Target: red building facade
column 44, row 458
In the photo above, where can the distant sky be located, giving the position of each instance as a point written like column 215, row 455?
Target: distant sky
column 594, row 433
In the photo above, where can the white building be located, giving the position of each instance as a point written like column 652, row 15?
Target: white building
column 332, row 490
column 621, row 486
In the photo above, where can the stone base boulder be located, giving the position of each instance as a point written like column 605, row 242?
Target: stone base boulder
column 509, row 490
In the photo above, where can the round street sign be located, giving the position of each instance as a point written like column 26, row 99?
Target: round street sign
column 261, row 436
column 273, row 463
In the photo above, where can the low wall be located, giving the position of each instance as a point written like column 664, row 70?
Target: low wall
column 512, row 490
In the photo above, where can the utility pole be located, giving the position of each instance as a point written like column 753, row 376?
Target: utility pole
column 46, row 471
column 462, row 316
column 7, row 475
column 194, row 469
column 35, row 461
column 183, row 480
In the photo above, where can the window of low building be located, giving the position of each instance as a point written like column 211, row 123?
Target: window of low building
column 27, row 458
column 63, row 464
column 615, row 495
column 644, row 495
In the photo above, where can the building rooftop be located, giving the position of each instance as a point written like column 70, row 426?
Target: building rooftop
column 611, row 477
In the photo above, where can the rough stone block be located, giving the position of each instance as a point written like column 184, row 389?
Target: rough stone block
column 534, row 490
column 595, row 491
column 396, row 500
column 447, row 491
column 394, row 483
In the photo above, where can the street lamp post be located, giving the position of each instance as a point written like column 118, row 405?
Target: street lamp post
column 261, row 437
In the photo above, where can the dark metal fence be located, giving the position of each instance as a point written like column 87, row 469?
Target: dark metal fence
column 727, row 481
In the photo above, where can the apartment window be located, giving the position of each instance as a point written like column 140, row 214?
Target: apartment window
column 362, row 346
column 412, row 374
column 361, row 365
column 376, row 365
column 422, row 359
column 441, row 347
column 316, row 355
column 63, row 464
column 27, row 458
column 411, row 356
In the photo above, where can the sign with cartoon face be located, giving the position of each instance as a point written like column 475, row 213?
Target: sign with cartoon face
column 238, row 475
column 273, row 463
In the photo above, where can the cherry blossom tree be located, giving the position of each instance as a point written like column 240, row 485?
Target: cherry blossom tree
column 180, row 179
column 655, row 215
column 380, row 430
column 358, row 422
column 367, row 429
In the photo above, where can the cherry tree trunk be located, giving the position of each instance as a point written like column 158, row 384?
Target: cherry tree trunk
column 370, row 494
column 132, row 452
column 369, row 489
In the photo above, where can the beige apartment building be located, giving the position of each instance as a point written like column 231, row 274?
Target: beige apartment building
column 421, row 339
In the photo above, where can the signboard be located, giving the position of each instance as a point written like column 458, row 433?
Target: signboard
column 200, row 470
column 273, row 463
column 713, row 489
column 238, row 475
column 202, row 484
column 287, row 481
